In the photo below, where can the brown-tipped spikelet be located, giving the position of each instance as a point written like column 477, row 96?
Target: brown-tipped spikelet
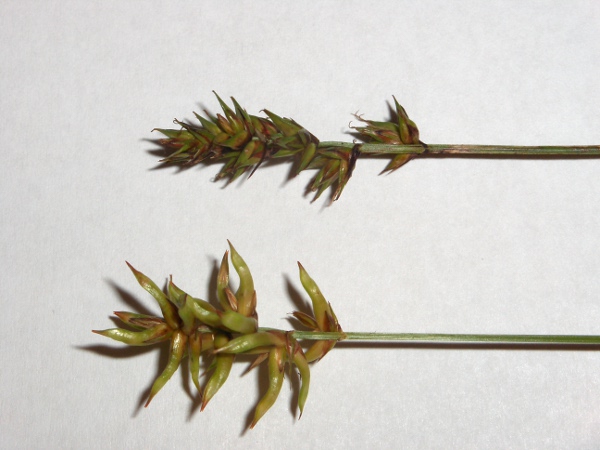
column 238, row 139
column 335, row 166
column 212, row 336
column 400, row 131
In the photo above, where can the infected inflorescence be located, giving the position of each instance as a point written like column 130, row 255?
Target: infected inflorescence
column 243, row 142
column 211, row 336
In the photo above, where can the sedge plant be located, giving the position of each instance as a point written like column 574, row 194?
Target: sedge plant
column 242, row 142
column 211, row 336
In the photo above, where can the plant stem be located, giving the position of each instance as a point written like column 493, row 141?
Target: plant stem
column 470, row 150
column 449, row 338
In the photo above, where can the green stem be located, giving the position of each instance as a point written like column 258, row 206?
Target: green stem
column 449, row 338
column 470, row 150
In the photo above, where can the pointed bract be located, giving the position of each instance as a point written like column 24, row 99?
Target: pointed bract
column 167, row 308
column 223, row 363
column 275, row 382
column 146, row 337
column 175, row 355
column 302, row 364
column 245, row 291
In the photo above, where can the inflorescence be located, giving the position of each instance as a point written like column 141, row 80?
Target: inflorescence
column 211, row 336
column 242, row 142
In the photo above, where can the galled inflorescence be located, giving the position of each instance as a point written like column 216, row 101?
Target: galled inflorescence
column 243, row 142
column 212, row 336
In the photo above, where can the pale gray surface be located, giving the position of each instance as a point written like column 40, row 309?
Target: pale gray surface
column 443, row 245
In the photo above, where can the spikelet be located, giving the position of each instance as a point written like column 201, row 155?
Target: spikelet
column 239, row 140
column 400, row 131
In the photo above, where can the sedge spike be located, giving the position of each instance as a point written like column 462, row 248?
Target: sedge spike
column 212, row 336
column 242, row 142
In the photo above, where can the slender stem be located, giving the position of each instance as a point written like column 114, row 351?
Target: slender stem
column 438, row 337
column 470, row 150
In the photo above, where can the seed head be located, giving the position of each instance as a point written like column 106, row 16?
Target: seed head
column 242, row 142
column 239, row 140
column 212, row 336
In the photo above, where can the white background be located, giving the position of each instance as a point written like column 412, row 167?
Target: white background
column 442, row 245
